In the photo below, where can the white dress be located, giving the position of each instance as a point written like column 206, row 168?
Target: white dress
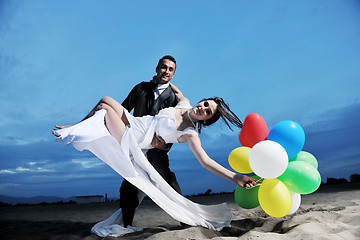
column 129, row 160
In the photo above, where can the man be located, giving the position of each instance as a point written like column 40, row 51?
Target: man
column 148, row 98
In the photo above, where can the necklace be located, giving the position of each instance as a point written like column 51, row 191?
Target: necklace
column 191, row 118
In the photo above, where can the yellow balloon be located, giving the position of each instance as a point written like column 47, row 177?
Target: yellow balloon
column 275, row 198
column 239, row 160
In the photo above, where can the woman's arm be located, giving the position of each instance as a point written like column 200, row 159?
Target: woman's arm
column 178, row 93
column 212, row 166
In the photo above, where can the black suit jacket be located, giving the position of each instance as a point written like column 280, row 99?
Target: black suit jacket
column 141, row 99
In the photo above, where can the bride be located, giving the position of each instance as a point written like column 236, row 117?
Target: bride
column 111, row 133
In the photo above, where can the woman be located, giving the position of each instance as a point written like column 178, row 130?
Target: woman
column 136, row 134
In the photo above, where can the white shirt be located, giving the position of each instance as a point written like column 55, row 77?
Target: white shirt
column 159, row 89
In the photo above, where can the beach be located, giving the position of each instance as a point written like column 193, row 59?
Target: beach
column 332, row 212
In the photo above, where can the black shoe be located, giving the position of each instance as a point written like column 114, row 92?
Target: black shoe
column 184, row 225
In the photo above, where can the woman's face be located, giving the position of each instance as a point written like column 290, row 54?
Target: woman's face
column 204, row 110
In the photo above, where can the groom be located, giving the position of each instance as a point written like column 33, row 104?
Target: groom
column 148, row 98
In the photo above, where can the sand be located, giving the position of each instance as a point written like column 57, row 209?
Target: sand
column 330, row 213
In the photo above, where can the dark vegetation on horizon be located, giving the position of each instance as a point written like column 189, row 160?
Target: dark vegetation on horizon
column 354, row 178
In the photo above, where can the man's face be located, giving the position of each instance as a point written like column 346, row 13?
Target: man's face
column 165, row 71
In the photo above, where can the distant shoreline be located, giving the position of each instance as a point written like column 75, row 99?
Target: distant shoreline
column 324, row 187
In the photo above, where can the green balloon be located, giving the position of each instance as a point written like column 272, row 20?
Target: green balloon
column 301, row 177
column 306, row 157
column 247, row 197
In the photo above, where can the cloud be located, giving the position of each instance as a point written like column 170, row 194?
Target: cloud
column 335, row 130
column 334, row 140
column 88, row 163
column 6, row 171
column 23, row 170
column 5, row 185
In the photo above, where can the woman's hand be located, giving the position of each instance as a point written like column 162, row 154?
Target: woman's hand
column 245, row 181
column 178, row 93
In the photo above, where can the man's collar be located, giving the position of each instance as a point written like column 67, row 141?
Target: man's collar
column 163, row 86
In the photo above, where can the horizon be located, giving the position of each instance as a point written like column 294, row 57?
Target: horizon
column 284, row 60
column 333, row 181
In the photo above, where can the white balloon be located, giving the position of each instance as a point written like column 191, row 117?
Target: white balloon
column 268, row 159
column 296, row 201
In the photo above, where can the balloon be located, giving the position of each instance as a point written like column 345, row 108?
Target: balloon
column 290, row 135
column 301, row 177
column 239, row 160
column 253, row 131
column 247, row 197
column 296, row 200
column 275, row 197
column 268, row 159
column 306, row 157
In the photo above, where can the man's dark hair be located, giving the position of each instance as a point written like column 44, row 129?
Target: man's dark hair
column 169, row 57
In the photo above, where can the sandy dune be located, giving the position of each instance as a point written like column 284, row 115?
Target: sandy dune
column 330, row 213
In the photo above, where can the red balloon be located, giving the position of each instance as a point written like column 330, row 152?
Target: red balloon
column 253, row 131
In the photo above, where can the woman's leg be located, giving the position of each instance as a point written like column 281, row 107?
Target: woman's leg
column 107, row 100
column 115, row 120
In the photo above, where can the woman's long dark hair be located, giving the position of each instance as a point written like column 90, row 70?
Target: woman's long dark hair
column 223, row 111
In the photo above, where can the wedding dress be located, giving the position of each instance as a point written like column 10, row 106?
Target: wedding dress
column 129, row 160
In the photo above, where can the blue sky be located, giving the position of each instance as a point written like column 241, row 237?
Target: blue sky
column 286, row 60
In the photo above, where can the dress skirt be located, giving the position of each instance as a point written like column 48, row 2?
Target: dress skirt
column 129, row 160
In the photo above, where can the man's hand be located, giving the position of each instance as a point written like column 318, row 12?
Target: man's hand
column 158, row 142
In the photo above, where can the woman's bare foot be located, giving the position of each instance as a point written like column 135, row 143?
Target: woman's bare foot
column 246, row 182
column 59, row 127
column 54, row 132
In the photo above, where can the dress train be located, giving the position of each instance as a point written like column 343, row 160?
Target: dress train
column 131, row 163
